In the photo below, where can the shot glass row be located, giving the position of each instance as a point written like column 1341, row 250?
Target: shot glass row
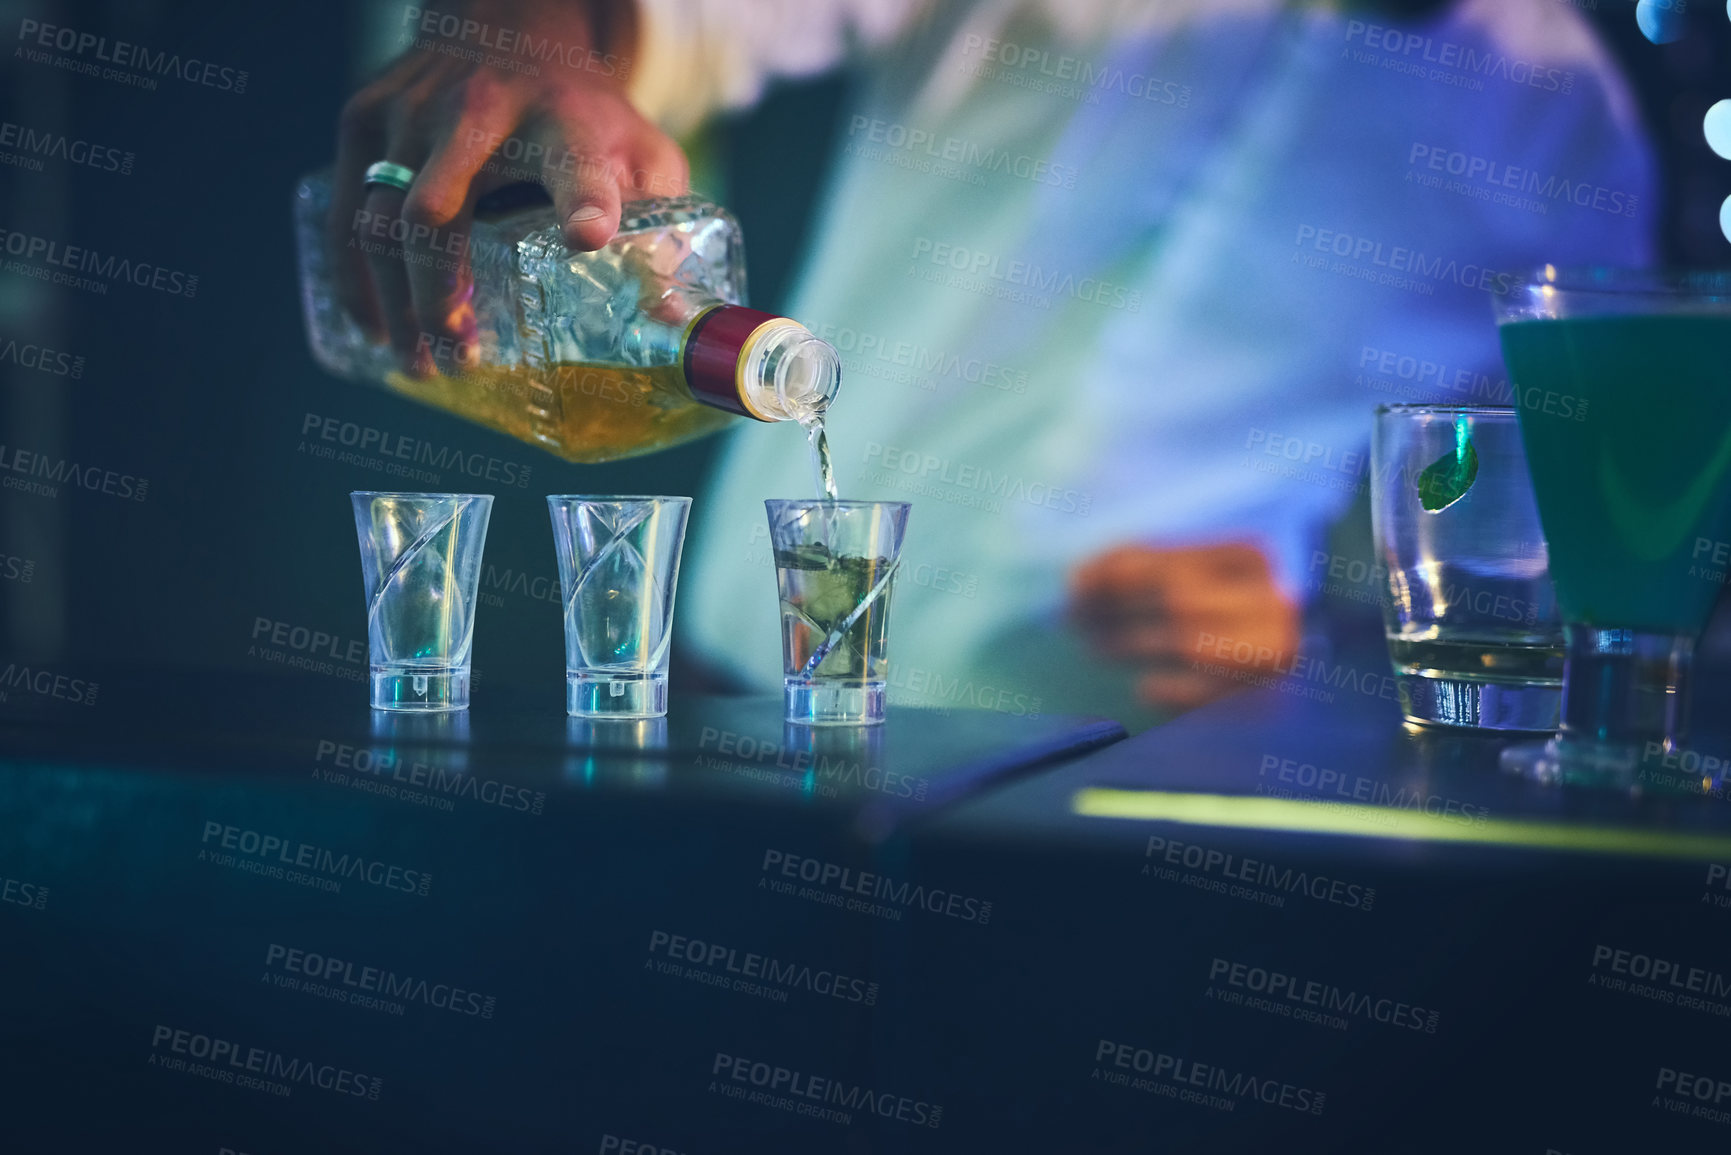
column 618, row 561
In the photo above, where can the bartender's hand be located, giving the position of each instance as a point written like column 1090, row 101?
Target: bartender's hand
column 1176, row 612
column 446, row 116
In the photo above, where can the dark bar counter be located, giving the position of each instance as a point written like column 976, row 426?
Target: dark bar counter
column 259, row 916
column 1308, row 896
column 253, row 916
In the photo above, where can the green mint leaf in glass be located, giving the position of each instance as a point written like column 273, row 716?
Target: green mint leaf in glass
column 1447, row 479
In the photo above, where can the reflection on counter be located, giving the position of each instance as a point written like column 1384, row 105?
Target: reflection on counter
column 617, row 751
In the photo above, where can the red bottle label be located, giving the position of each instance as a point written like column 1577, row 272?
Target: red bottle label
column 712, row 355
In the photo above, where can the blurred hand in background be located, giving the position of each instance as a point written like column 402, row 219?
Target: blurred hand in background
column 1174, row 612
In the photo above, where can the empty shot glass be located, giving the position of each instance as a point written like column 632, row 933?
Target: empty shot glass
column 618, row 570
column 835, row 564
column 421, row 563
column 1471, row 617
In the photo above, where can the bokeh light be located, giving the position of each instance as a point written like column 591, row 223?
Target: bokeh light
column 1717, row 127
column 1661, row 21
column 1725, row 218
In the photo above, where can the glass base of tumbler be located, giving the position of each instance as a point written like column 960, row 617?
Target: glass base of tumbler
column 834, row 703
column 426, row 688
column 1525, row 706
column 1647, row 769
column 591, row 694
column 1574, row 763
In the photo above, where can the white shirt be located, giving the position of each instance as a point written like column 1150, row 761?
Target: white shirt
column 1130, row 272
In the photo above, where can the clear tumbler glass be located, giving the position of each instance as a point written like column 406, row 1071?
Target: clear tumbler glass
column 618, row 569
column 1473, row 627
column 835, row 563
column 421, row 564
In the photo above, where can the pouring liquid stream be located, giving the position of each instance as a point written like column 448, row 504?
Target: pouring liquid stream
column 819, row 439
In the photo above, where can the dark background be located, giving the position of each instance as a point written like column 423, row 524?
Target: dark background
column 206, row 397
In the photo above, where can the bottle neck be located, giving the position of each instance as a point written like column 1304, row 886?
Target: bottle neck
column 759, row 365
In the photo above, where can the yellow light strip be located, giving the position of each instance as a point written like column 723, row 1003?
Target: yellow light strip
column 1301, row 817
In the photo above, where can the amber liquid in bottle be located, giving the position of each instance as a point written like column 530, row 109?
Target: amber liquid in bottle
column 598, row 356
column 585, row 413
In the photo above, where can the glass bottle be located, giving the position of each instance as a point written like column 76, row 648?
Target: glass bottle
column 637, row 346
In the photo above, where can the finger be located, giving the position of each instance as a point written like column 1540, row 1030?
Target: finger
column 584, row 164
column 360, row 141
column 587, row 200
column 1134, row 568
column 362, row 132
column 1153, row 643
column 1195, row 598
column 384, row 251
column 1111, row 568
column 659, row 169
column 1183, row 689
column 1268, row 642
column 1141, row 638
column 1254, row 644
column 385, row 254
column 439, row 251
column 1141, row 573
column 1234, row 559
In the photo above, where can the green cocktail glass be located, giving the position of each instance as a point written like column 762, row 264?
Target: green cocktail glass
column 1623, row 383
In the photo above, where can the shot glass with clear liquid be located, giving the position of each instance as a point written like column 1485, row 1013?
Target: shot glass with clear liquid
column 618, row 570
column 420, row 565
column 1473, row 628
column 835, row 566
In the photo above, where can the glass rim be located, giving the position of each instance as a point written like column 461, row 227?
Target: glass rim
column 421, row 496
column 1440, row 407
column 839, row 503
column 597, row 499
column 1616, row 281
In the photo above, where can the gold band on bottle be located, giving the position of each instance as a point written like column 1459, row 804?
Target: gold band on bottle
column 763, row 332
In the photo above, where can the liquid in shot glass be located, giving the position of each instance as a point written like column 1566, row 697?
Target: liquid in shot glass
column 835, row 566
